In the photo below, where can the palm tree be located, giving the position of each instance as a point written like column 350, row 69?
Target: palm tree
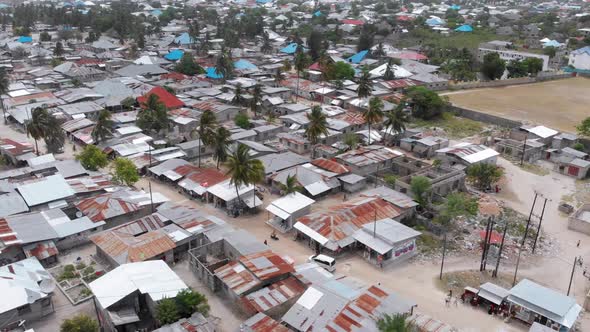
column 154, row 114
column 266, row 46
column 38, row 125
column 205, row 130
column 394, row 323
column 379, row 51
column 278, row 76
column 365, row 85
column 301, row 62
column 256, row 98
column 221, row 142
column 243, row 169
column 54, row 137
column 4, row 83
column 373, row 114
column 224, row 66
column 103, row 128
column 317, row 127
column 291, row 185
column 396, row 119
column 238, row 98
column 389, row 71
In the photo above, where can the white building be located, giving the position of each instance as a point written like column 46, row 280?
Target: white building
column 509, row 55
column 580, row 58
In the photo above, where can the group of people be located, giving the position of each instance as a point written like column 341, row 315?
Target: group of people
column 450, row 299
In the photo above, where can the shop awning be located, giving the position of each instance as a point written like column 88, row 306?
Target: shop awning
column 492, row 293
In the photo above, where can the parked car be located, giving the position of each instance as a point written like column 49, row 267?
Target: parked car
column 324, row 261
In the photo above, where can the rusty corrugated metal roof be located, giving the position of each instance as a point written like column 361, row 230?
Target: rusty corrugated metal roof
column 266, row 264
column 330, row 165
column 355, row 314
column 237, row 277
column 88, row 184
column 262, row 323
column 105, row 206
column 274, row 295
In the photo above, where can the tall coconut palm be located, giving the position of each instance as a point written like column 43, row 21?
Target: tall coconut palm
column 365, row 85
column 256, row 99
column 154, row 114
column 38, row 125
column 243, row 169
column 291, row 185
column 278, row 77
column 103, row 128
column 396, row 119
column 373, row 114
column 4, row 83
column 224, row 65
column 54, row 137
column 205, row 130
column 389, row 71
column 238, row 98
column 394, row 323
column 302, row 61
column 266, row 45
column 317, row 127
column 221, row 142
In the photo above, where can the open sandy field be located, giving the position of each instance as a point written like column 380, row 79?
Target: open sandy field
column 560, row 104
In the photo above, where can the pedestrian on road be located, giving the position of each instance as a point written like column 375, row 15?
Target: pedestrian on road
column 265, row 243
column 456, row 301
column 578, row 244
column 447, row 301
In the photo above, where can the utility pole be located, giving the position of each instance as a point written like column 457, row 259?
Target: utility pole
column 524, row 238
column 495, row 273
column 523, row 148
column 151, row 197
column 375, row 223
column 485, row 242
column 572, row 276
column 442, row 263
column 539, row 227
column 488, row 243
column 150, row 154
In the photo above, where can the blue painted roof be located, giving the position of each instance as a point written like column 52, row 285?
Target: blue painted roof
column 263, row 1
column 2, row 6
column 434, row 21
column 25, row 39
column 464, row 28
column 552, row 43
column 455, row 7
column 183, row 39
column 174, row 55
column 317, row 14
column 156, row 12
column 357, row 58
column 290, row 49
column 585, row 49
column 243, row 64
column 210, row 72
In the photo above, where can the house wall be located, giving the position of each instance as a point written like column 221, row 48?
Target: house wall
column 29, row 312
column 120, row 220
column 227, row 114
column 580, row 61
column 76, row 239
column 351, row 188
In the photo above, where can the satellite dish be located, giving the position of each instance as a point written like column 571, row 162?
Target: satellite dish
column 47, row 285
column 79, row 214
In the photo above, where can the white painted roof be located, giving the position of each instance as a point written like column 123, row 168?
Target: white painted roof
column 22, row 283
column 480, row 156
column 287, row 205
column 542, row 131
column 227, row 191
column 151, row 277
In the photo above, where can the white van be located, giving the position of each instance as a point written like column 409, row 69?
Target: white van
column 324, row 261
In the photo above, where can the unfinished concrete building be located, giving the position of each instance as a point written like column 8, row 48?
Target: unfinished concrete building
column 579, row 221
column 444, row 180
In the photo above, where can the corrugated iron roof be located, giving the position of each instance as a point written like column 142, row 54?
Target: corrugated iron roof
column 274, row 295
column 330, row 165
column 266, row 264
column 90, row 183
column 15, row 148
column 105, row 206
column 41, row 250
column 237, row 277
column 262, row 323
column 7, row 235
column 367, row 155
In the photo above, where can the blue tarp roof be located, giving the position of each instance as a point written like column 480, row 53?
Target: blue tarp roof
column 243, row 64
column 174, row 55
column 464, row 28
column 434, row 21
column 156, row 12
column 212, row 74
column 2, row 6
column 455, row 7
column 25, row 39
column 357, row 58
column 317, row 14
column 263, row 1
column 552, row 43
column 290, row 49
column 183, row 39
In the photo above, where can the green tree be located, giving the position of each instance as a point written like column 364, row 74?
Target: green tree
column 302, row 61
column 103, row 127
column 379, row 51
column 241, row 120
column 584, row 127
column 243, row 169
column 44, row 36
column 4, row 83
column 317, row 127
column 266, row 45
column 365, row 40
column 79, row 323
column 256, row 99
column 517, row 68
column 534, row 65
column 493, row 67
column 426, row 104
column 238, row 99
column 205, row 130
column 188, row 302
column 287, row 65
column 154, row 115
column 457, row 204
column 483, row 175
column 373, row 114
column 389, row 70
column 393, row 323
column 224, row 65
column 92, row 158
column 420, row 187
column 278, row 77
column 59, row 49
column 188, row 66
column 339, row 71
column 124, row 171
column 167, row 311
column 291, row 185
column 579, row 146
column 314, row 42
column 396, row 119
column 55, row 137
column 351, row 140
column 38, row 125
column 222, row 140
column 365, row 85
column 550, row 51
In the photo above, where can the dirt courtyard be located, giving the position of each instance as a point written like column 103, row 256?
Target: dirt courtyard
column 560, row 104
